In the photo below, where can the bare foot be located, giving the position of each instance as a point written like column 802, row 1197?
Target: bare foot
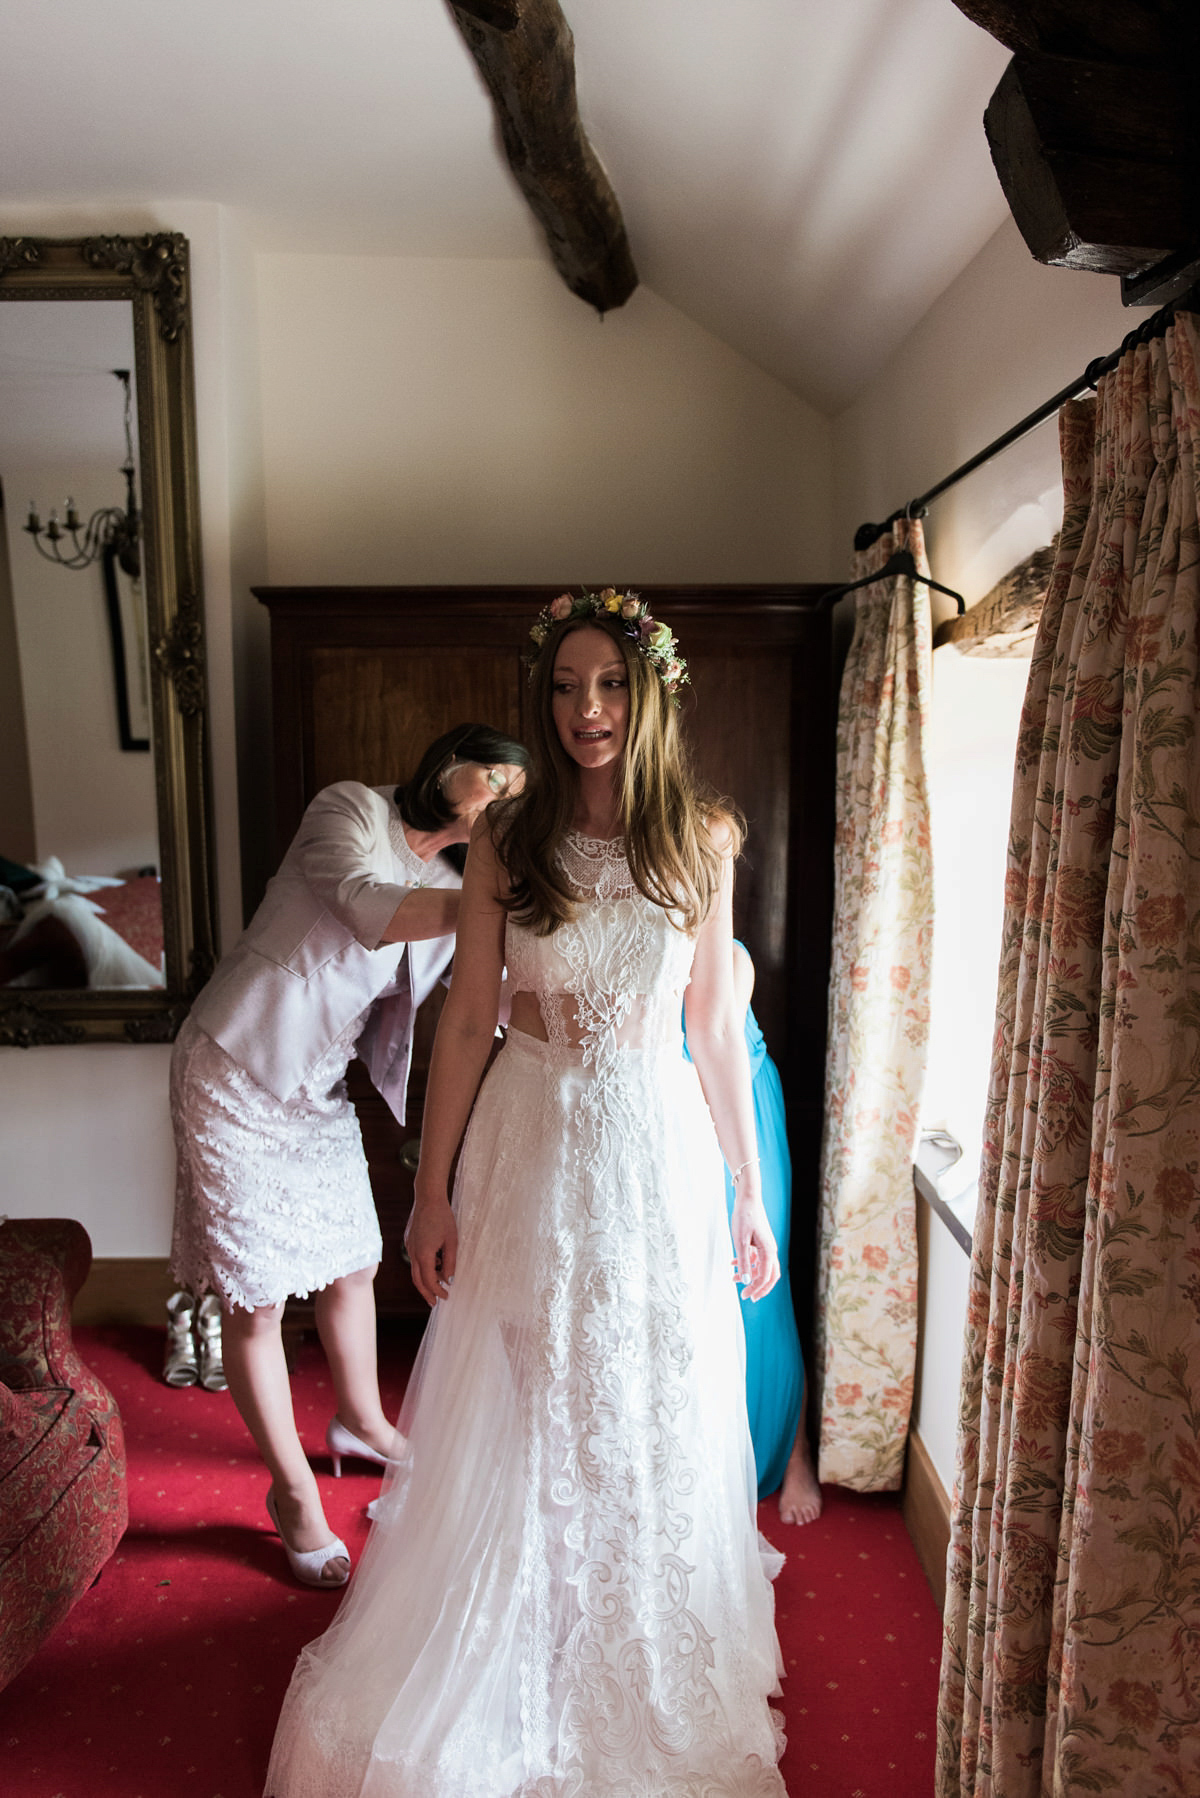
column 800, row 1498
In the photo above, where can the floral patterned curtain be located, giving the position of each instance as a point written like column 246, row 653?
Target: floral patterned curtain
column 878, row 1026
column 1071, row 1661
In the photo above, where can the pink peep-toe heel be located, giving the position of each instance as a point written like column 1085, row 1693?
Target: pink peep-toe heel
column 307, row 1564
column 343, row 1444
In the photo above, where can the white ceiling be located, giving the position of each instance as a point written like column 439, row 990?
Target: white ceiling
column 802, row 177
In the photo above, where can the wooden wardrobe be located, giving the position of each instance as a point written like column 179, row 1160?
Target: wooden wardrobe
column 364, row 677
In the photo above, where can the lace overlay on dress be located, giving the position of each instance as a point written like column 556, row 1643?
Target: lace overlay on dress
column 617, row 972
column 606, row 979
column 572, row 1541
column 273, row 1197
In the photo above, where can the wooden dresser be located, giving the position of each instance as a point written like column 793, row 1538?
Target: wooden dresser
column 364, row 677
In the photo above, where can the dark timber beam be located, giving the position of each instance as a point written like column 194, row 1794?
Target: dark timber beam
column 1087, row 154
column 528, row 66
column 1094, row 135
column 1128, row 31
column 504, row 15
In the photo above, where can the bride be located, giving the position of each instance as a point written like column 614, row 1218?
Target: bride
column 563, row 1595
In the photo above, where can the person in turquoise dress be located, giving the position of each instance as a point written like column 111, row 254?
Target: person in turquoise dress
column 775, row 1380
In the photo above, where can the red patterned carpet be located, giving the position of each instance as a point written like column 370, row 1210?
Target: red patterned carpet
column 165, row 1680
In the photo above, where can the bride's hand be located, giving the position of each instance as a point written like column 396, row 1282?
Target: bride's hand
column 756, row 1258
column 431, row 1238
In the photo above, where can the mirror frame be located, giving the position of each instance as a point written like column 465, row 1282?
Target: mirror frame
column 152, row 273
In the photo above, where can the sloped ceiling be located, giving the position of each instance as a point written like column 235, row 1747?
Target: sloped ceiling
column 802, row 177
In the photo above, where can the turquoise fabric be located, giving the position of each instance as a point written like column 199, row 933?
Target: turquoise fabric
column 774, row 1363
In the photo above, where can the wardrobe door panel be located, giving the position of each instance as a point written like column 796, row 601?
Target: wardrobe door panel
column 743, row 746
column 373, row 711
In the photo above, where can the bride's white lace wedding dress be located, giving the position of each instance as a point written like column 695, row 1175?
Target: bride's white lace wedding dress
column 563, row 1595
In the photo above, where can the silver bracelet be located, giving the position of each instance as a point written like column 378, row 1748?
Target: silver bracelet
column 738, row 1172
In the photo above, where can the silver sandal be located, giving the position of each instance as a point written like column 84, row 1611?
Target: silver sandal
column 180, row 1367
column 208, row 1342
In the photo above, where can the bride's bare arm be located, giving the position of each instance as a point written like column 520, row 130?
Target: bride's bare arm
column 465, row 1034
column 717, row 1043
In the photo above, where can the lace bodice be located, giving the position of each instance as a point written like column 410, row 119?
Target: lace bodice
column 614, row 976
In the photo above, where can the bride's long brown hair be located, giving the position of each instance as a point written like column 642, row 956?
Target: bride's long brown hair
column 667, row 813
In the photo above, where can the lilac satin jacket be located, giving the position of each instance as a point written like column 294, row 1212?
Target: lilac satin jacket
column 309, row 961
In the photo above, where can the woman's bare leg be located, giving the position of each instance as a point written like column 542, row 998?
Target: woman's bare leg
column 345, row 1313
column 800, row 1497
column 258, row 1383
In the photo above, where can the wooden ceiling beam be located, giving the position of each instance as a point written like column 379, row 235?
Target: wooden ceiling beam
column 502, row 15
column 1126, row 31
column 1093, row 136
column 1087, row 154
column 528, row 66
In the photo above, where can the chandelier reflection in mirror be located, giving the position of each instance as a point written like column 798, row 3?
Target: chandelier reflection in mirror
column 109, row 527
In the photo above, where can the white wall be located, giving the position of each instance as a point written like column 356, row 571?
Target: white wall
column 231, row 478
column 939, row 1351
column 1004, row 337
column 85, row 1133
column 473, row 421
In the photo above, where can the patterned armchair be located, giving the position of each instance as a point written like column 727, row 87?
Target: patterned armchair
column 63, row 1505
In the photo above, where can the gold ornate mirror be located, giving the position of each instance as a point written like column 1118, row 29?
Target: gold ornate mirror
column 103, row 716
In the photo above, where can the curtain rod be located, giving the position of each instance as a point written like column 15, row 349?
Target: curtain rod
column 1154, row 326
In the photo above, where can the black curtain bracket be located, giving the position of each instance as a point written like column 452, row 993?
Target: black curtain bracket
column 1154, row 326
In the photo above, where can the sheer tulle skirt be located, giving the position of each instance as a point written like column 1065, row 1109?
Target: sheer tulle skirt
column 563, row 1595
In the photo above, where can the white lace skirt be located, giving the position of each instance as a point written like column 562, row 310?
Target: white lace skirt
column 272, row 1197
column 563, row 1596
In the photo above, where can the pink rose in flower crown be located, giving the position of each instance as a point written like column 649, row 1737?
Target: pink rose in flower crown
column 655, row 641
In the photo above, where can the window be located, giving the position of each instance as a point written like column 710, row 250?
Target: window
column 976, row 713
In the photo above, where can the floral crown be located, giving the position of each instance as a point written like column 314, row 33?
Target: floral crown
column 655, row 640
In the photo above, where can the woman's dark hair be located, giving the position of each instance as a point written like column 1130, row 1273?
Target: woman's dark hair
column 420, row 798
